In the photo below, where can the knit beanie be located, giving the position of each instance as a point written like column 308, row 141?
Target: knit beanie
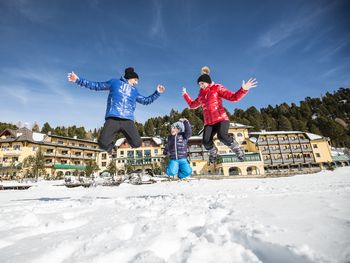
column 178, row 125
column 130, row 73
column 205, row 75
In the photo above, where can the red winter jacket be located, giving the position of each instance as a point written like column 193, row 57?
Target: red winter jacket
column 210, row 99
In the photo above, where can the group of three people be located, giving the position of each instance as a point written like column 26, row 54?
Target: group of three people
column 121, row 104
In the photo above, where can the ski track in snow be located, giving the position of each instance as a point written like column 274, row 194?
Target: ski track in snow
column 304, row 218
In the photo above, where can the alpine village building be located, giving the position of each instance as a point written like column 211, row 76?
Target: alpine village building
column 267, row 153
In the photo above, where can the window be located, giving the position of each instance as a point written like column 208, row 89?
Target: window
column 139, row 153
column 155, row 151
column 118, row 161
column 60, row 142
column 130, row 154
column 17, row 147
column 104, row 164
column 147, row 153
column 315, row 146
column 104, row 156
column 193, row 164
column 34, row 148
column 318, row 155
column 121, row 152
column 239, row 134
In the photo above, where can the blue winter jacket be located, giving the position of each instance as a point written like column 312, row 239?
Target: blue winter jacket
column 176, row 147
column 122, row 98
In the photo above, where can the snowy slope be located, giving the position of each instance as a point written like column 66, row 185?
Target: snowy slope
column 304, row 218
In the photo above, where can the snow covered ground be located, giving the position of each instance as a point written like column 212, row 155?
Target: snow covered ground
column 305, row 218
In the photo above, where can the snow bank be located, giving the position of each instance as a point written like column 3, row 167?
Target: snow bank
column 304, row 218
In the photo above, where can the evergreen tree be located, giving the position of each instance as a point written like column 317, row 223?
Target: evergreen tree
column 46, row 128
column 36, row 127
column 149, row 128
column 284, row 124
column 4, row 126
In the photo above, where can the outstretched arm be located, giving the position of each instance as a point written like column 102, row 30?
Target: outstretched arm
column 148, row 100
column 193, row 104
column 188, row 129
column 236, row 96
column 93, row 85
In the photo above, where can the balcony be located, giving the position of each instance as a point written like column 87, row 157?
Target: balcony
column 275, row 150
column 49, row 154
column 232, row 158
column 11, row 153
column 286, row 150
column 293, row 140
column 196, row 158
column 274, row 161
column 262, row 142
column 288, row 161
column 298, row 150
column 308, row 159
column 283, row 141
column 343, row 157
column 304, row 141
column 299, row 160
column 307, row 149
column 195, row 149
column 273, row 142
column 268, row 161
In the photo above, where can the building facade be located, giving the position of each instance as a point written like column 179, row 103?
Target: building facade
column 63, row 155
column 292, row 151
column 266, row 153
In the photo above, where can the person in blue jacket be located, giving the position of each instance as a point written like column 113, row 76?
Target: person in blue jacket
column 121, row 104
column 176, row 149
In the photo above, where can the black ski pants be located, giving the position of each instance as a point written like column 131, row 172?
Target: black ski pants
column 114, row 125
column 221, row 129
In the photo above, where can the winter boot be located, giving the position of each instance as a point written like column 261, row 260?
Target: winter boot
column 213, row 154
column 237, row 150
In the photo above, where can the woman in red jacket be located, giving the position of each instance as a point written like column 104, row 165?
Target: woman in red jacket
column 216, row 120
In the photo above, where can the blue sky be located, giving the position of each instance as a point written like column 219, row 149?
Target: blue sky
column 294, row 48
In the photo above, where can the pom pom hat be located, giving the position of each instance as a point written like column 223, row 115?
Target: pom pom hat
column 205, row 75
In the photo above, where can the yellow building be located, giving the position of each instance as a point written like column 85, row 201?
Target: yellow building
column 228, row 164
column 63, row 155
column 148, row 158
column 292, row 151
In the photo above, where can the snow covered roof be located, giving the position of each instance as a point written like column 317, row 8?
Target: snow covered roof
column 38, row 137
column 239, row 125
column 157, row 140
column 119, row 142
column 313, row 136
column 274, row 132
column 195, row 138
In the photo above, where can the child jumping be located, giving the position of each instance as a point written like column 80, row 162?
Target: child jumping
column 216, row 120
column 176, row 149
column 121, row 104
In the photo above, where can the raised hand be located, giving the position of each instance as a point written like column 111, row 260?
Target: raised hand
column 160, row 88
column 251, row 83
column 72, row 77
column 184, row 91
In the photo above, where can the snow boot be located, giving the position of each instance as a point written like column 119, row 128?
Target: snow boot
column 213, row 154
column 237, row 150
